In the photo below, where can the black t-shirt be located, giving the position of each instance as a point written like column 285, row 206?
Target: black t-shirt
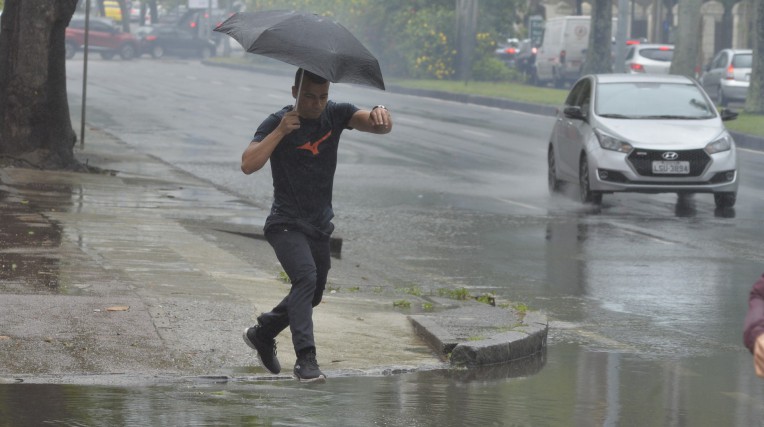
column 303, row 166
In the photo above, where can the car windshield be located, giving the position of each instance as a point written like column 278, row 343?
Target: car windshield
column 658, row 54
column 742, row 60
column 652, row 100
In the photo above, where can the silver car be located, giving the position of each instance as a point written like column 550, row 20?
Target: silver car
column 728, row 75
column 647, row 133
column 649, row 58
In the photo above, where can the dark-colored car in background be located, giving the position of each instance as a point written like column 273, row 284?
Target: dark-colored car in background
column 104, row 37
column 525, row 59
column 159, row 41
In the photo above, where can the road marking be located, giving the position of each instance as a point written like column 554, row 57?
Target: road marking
column 476, row 133
column 524, row 205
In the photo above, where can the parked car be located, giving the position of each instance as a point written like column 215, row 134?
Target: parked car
column 104, row 37
column 525, row 59
column 728, row 75
column 507, row 52
column 649, row 58
column 647, row 133
column 164, row 40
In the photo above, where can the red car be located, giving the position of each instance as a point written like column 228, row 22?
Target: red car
column 103, row 37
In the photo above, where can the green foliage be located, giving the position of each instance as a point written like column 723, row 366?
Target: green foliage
column 427, row 306
column 284, row 277
column 460, row 294
column 412, row 38
column 422, row 41
column 402, row 303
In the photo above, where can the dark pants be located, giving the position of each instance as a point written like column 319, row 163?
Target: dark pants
column 306, row 260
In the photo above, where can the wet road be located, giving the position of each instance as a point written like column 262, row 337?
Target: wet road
column 646, row 294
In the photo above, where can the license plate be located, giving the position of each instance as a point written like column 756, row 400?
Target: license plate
column 680, row 168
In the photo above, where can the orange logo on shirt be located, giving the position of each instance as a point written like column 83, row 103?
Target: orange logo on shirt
column 313, row 146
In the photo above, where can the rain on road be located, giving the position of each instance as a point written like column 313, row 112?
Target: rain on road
column 646, row 294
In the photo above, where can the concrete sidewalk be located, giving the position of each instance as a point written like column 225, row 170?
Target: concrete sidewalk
column 144, row 271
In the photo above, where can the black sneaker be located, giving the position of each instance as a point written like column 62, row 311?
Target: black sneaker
column 266, row 349
column 306, row 368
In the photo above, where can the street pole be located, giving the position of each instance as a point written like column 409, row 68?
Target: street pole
column 621, row 35
column 85, row 74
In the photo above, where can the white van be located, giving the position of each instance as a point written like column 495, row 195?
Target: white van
column 562, row 51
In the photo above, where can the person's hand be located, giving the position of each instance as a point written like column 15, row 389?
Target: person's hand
column 380, row 117
column 758, row 355
column 289, row 122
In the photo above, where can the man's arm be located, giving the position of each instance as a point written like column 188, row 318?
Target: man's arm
column 377, row 120
column 258, row 152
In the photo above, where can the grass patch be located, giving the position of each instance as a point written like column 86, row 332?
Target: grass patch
column 514, row 91
column 751, row 124
column 402, row 303
column 283, row 277
column 460, row 294
column 412, row 290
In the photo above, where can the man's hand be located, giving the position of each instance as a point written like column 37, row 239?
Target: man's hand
column 758, row 355
column 380, row 117
column 289, row 122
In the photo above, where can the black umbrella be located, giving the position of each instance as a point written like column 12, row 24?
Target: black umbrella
column 319, row 45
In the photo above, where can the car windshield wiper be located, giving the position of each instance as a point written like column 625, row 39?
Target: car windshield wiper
column 671, row 117
column 616, row 116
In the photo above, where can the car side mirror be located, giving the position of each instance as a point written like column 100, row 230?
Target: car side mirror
column 574, row 112
column 728, row 115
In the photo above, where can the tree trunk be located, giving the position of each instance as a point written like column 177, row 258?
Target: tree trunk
column 36, row 127
column 599, row 54
column 754, row 102
column 687, row 44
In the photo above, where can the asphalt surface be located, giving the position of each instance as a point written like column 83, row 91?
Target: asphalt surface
column 144, row 273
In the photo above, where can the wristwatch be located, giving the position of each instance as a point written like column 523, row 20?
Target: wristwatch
column 379, row 106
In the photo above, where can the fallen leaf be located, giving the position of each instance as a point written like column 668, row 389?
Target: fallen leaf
column 4, row 337
column 119, row 308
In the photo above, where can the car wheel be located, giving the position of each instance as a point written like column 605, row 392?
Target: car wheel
column 107, row 55
column 720, row 98
column 71, row 49
column 157, row 52
column 127, row 52
column 554, row 184
column 725, row 200
column 587, row 195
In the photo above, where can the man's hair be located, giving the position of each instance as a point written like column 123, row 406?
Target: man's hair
column 314, row 78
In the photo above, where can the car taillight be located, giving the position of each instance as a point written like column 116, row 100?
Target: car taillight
column 534, row 50
column 510, row 50
column 664, row 48
column 151, row 38
column 637, row 68
column 563, row 54
column 730, row 73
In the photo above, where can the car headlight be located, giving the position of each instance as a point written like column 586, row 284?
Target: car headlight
column 724, row 143
column 611, row 143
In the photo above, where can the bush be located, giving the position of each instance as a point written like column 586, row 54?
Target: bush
column 489, row 69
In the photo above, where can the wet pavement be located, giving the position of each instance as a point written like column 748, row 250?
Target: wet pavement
column 143, row 271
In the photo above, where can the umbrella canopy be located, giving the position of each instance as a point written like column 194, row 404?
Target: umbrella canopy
column 319, row 45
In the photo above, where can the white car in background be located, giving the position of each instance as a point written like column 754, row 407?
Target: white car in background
column 649, row 58
column 646, row 133
column 728, row 75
